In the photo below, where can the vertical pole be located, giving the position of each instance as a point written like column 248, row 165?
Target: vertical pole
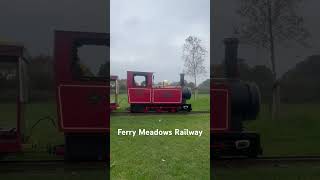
column 231, row 58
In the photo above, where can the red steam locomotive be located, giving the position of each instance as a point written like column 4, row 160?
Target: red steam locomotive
column 232, row 102
column 143, row 96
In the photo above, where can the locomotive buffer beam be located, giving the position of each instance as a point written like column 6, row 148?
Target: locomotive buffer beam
column 235, row 144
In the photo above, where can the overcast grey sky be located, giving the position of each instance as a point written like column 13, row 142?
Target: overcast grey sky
column 33, row 22
column 148, row 35
column 224, row 17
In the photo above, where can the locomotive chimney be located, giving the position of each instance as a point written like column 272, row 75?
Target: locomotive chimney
column 231, row 58
column 182, row 80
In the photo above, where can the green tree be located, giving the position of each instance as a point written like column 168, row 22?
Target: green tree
column 267, row 24
column 301, row 84
column 204, row 87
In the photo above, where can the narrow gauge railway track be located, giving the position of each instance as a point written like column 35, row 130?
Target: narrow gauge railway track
column 157, row 113
column 50, row 165
column 267, row 160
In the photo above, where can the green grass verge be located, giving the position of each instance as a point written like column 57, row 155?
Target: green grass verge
column 8, row 115
column 42, row 136
column 296, row 132
column 202, row 102
column 160, row 157
column 288, row 172
column 188, row 156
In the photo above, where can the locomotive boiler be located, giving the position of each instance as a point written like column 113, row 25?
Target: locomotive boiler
column 233, row 102
column 143, row 96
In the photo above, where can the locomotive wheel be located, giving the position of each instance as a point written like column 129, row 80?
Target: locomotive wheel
column 137, row 108
column 173, row 110
column 86, row 147
column 253, row 154
column 255, row 150
column 186, row 107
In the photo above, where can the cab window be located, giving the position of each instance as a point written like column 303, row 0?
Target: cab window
column 140, row 80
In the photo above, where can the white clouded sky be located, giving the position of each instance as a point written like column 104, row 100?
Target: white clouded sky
column 148, row 35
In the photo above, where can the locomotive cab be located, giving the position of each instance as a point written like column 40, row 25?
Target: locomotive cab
column 83, row 94
column 12, row 98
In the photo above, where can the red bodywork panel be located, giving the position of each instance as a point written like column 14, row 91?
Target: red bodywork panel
column 140, row 95
column 151, row 95
column 83, row 105
column 220, row 107
column 10, row 145
column 167, row 95
column 11, row 139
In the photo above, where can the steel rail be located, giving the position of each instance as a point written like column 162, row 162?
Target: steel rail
column 157, row 113
column 40, row 165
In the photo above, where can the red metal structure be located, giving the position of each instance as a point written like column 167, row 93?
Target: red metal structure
column 11, row 98
column 143, row 96
column 82, row 99
column 232, row 102
column 114, row 91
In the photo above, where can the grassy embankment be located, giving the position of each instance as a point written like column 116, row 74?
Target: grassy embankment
column 161, row 157
column 166, row 157
column 295, row 133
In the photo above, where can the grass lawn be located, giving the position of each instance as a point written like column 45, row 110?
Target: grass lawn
column 289, row 172
column 8, row 115
column 160, row 157
column 180, row 157
column 295, row 133
column 187, row 157
column 202, row 103
column 44, row 135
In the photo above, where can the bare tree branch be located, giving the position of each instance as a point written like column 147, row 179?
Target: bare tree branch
column 194, row 56
column 267, row 23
